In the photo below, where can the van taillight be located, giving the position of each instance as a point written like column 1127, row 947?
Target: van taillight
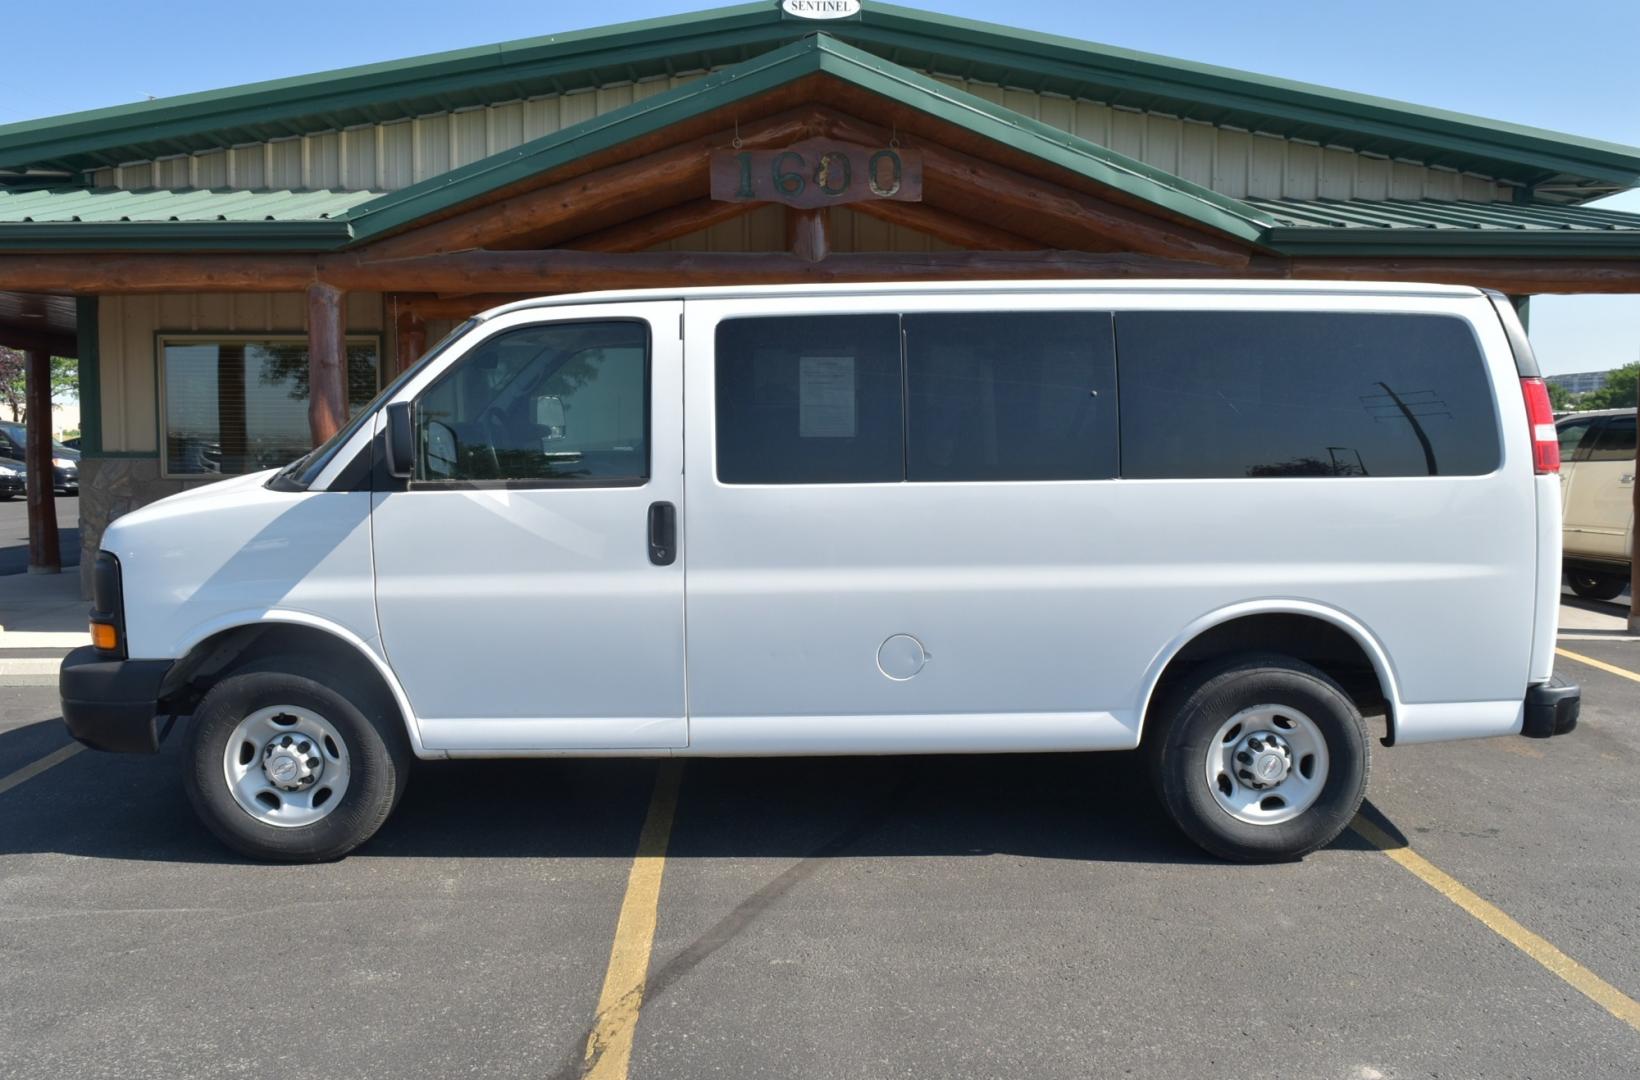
column 1541, row 415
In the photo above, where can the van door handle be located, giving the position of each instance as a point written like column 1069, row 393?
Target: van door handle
column 663, row 533
column 1628, row 478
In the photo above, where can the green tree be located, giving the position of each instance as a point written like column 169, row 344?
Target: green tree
column 1618, row 391
column 65, row 381
column 1560, row 398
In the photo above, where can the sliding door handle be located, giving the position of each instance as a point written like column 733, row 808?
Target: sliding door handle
column 663, row 533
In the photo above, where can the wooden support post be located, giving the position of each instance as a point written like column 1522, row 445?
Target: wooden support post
column 411, row 339
column 806, row 234
column 327, row 361
column 44, row 554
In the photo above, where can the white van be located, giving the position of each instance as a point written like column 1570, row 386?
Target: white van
column 1220, row 523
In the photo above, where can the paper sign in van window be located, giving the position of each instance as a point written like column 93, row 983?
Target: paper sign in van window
column 825, row 396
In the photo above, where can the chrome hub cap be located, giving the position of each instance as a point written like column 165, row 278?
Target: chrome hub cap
column 1267, row 764
column 286, row 766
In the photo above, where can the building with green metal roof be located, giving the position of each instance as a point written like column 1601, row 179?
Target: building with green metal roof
column 197, row 252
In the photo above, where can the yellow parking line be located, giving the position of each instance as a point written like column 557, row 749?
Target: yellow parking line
column 1601, row 664
column 609, row 1046
column 35, row 768
column 1580, row 978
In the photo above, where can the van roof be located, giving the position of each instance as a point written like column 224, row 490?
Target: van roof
column 926, row 288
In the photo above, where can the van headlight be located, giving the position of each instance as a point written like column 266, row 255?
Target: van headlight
column 65, row 463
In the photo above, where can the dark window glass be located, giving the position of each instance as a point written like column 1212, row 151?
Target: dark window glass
column 809, row 400
column 1010, row 396
column 561, row 402
column 1571, row 433
column 1613, row 440
column 239, row 406
column 1223, row 394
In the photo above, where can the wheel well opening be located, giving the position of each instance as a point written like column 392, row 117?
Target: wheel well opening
column 1317, row 642
column 304, row 649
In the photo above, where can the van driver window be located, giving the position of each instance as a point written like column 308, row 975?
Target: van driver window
column 558, row 403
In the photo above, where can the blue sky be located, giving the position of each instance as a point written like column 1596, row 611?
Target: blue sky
column 1567, row 69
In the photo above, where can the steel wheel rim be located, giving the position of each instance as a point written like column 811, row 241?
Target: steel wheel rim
column 1244, row 775
column 286, row 766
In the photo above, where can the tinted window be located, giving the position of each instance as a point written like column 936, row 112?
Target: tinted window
column 563, row 402
column 1613, row 440
column 1010, row 396
column 1570, row 433
column 1225, row 394
column 809, row 400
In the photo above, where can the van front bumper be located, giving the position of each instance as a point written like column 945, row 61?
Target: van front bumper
column 112, row 704
column 1551, row 708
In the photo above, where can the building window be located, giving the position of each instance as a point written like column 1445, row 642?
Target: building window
column 240, row 404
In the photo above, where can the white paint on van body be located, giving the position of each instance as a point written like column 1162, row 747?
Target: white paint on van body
column 531, row 622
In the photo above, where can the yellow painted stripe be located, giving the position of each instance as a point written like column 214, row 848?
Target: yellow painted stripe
column 609, row 1046
column 1601, row 664
column 1577, row 976
column 35, row 768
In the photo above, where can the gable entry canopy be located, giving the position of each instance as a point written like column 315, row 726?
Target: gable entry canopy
column 603, row 201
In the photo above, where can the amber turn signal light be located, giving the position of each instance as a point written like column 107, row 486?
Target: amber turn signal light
column 105, row 637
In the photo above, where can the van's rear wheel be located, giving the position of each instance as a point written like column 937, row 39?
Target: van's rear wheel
column 284, row 767
column 1260, row 759
column 1592, row 586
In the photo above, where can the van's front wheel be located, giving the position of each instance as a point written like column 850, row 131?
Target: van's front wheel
column 286, row 768
column 1261, row 759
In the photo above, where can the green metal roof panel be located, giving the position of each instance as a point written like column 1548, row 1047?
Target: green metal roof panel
column 82, row 205
column 906, row 37
column 1434, row 227
column 186, row 219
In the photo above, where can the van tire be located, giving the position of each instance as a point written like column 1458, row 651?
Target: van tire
column 1594, row 586
column 373, row 760
column 1199, row 709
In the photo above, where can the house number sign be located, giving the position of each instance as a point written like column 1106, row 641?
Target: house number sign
column 817, row 172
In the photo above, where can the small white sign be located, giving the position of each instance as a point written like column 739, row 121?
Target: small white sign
column 825, row 397
column 820, row 9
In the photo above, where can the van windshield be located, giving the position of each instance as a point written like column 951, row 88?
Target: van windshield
column 300, row 474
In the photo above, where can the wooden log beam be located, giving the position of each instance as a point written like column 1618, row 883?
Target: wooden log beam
column 806, row 236
column 953, row 229
column 645, row 232
column 594, row 200
column 1058, row 216
column 490, row 273
column 44, row 553
column 327, row 361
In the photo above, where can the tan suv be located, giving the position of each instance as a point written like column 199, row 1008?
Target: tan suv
column 1597, row 492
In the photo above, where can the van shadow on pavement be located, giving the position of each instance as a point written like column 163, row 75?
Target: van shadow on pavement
column 1089, row 807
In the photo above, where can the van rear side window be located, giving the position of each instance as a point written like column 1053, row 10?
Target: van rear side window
column 1211, row 394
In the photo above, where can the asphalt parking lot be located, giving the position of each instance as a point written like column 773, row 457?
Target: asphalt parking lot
column 891, row 917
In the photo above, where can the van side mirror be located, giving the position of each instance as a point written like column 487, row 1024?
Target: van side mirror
column 400, row 440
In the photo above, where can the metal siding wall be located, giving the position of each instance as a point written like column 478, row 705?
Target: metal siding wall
column 390, row 156
column 129, row 367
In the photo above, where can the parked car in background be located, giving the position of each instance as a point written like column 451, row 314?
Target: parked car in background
column 13, row 480
column 1597, row 497
column 65, row 462
column 72, row 444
